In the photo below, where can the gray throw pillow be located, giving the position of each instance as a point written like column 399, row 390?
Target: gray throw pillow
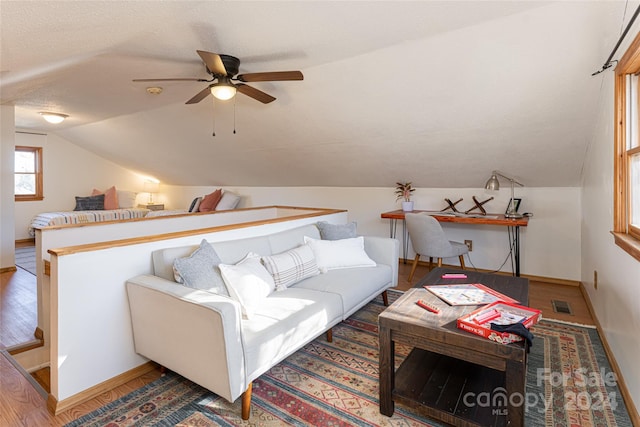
column 200, row 270
column 330, row 231
column 90, row 203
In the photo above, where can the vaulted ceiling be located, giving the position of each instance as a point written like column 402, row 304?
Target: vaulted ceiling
column 435, row 92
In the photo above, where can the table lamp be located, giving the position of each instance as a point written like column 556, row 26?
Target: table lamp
column 150, row 187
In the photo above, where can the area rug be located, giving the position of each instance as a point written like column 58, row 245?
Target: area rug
column 26, row 258
column 336, row 384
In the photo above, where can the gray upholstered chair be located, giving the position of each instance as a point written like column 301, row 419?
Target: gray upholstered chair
column 428, row 239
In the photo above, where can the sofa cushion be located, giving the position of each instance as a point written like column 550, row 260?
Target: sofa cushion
column 233, row 251
column 330, row 231
column 356, row 286
column 344, row 253
column 284, row 322
column 200, row 270
column 291, row 266
column 292, row 238
column 248, row 282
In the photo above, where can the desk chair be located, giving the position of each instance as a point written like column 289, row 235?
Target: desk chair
column 428, row 239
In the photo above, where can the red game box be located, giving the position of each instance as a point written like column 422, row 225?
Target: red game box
column 479, row 321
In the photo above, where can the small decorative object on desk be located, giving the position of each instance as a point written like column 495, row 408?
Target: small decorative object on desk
column 499, row 313
column 452, row 205
column 513, row 206
column 478, row 205
column 403, row 192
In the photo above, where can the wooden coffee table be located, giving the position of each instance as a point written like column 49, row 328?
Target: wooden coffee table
column 452, row 375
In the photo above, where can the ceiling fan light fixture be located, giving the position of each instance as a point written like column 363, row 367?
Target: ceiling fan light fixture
column 223, row 91
column 54, row 118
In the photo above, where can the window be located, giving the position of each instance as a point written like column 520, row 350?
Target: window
column 626, row 227
column 28, row 173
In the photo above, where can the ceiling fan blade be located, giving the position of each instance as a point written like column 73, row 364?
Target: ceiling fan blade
column 273, row 76
column 254, row 93
column 170, row 80
column 200, row 96
column 213, row 61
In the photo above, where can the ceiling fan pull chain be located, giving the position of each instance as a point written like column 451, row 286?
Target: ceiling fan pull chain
column 234, row 115
column 213, row 117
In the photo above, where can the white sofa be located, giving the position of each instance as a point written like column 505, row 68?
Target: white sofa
column 203, row 336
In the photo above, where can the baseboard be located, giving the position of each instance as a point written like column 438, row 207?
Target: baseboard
column 56, row 407
column 624, row 391
column 555, row 281
column 25, row 242
column 25, row 346
column 8, row 269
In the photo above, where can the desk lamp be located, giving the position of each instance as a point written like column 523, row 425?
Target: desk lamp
column 494, row 184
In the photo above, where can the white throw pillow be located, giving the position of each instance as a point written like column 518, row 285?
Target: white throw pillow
column 126, row 199
column 228, row 201
column 248, row 282
column 343, row 253
column 291, row 266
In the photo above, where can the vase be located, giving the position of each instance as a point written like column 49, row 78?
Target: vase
column 407, row 206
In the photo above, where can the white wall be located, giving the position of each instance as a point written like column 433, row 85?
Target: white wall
column 7, row 147
column 617, row 299
column 69, row 171
column 90, row 318
column 550, row 245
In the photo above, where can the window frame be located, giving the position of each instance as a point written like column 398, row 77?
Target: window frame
column 625, row 236
column 39, row 195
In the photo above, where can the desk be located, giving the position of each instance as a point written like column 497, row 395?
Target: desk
column 513, row 226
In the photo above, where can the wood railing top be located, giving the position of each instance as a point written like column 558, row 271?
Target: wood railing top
column 305, row 213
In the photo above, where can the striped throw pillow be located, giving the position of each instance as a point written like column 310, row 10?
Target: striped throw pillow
column 291, row 266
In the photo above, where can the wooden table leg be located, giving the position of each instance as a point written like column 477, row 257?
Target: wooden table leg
column 515, row 385
column 386, row 371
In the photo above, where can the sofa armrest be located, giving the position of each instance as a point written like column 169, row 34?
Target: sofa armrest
column 384, row 250
column 192, row 332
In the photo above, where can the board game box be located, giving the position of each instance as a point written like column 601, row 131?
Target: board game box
column 501, row 313
column 467, row 294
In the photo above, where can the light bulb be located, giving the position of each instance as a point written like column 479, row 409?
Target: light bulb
column 54, row 118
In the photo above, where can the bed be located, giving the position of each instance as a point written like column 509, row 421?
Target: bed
column 125, row 200
column 48, row 219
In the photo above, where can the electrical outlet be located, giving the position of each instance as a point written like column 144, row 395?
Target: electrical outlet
column 595, row 279
column 469, row 244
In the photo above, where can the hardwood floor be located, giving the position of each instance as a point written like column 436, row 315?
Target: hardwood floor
column 22, row 405
column 18, row 310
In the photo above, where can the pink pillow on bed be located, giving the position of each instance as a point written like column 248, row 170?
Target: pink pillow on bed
column 210, row 201
column 110, row 197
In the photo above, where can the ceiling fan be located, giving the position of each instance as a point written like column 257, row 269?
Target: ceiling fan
column 224, row 71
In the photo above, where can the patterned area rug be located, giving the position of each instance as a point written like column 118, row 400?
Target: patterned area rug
column 26, row 258
column 336, row 384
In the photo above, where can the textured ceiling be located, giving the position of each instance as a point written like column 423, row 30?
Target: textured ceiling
column 438, row 93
